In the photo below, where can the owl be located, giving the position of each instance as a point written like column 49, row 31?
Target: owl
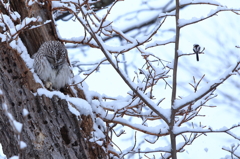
column 50, row 63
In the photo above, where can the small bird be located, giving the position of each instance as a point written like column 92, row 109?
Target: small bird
column 196, row 49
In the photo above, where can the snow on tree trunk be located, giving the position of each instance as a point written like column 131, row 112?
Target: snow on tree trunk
column 49, row 129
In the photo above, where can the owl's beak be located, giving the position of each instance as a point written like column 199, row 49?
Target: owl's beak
column 54, row 67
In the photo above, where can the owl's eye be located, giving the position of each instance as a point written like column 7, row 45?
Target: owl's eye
column 50, row 59
column 60, row 62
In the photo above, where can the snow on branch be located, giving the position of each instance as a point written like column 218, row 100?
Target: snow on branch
column 158, row 43
column 202, row 129
column 140, row 108
column 158, row 130
column 209, row 2
column 11, row 31
column 81, row 105
column 234, row 150
column 183, row 22
column 211, row 86
column 130, row 150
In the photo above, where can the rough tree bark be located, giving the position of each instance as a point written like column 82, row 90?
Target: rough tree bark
column 50, row 130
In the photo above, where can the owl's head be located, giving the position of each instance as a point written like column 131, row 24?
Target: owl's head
column 56, row 54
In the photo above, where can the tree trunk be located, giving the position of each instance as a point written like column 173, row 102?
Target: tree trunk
column 50, row 130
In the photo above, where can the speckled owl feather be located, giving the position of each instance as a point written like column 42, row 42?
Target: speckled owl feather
column 50, row 63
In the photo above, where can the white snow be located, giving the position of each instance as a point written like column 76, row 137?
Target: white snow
column 22, row 145
column 158, row 42
column 81, row 105
column 18, row 126
column 25, row 112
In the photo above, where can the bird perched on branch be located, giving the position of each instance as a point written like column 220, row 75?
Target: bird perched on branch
column 51, row 65
column 196, row 49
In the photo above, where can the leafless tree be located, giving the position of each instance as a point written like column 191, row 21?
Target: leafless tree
column 78, row 123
